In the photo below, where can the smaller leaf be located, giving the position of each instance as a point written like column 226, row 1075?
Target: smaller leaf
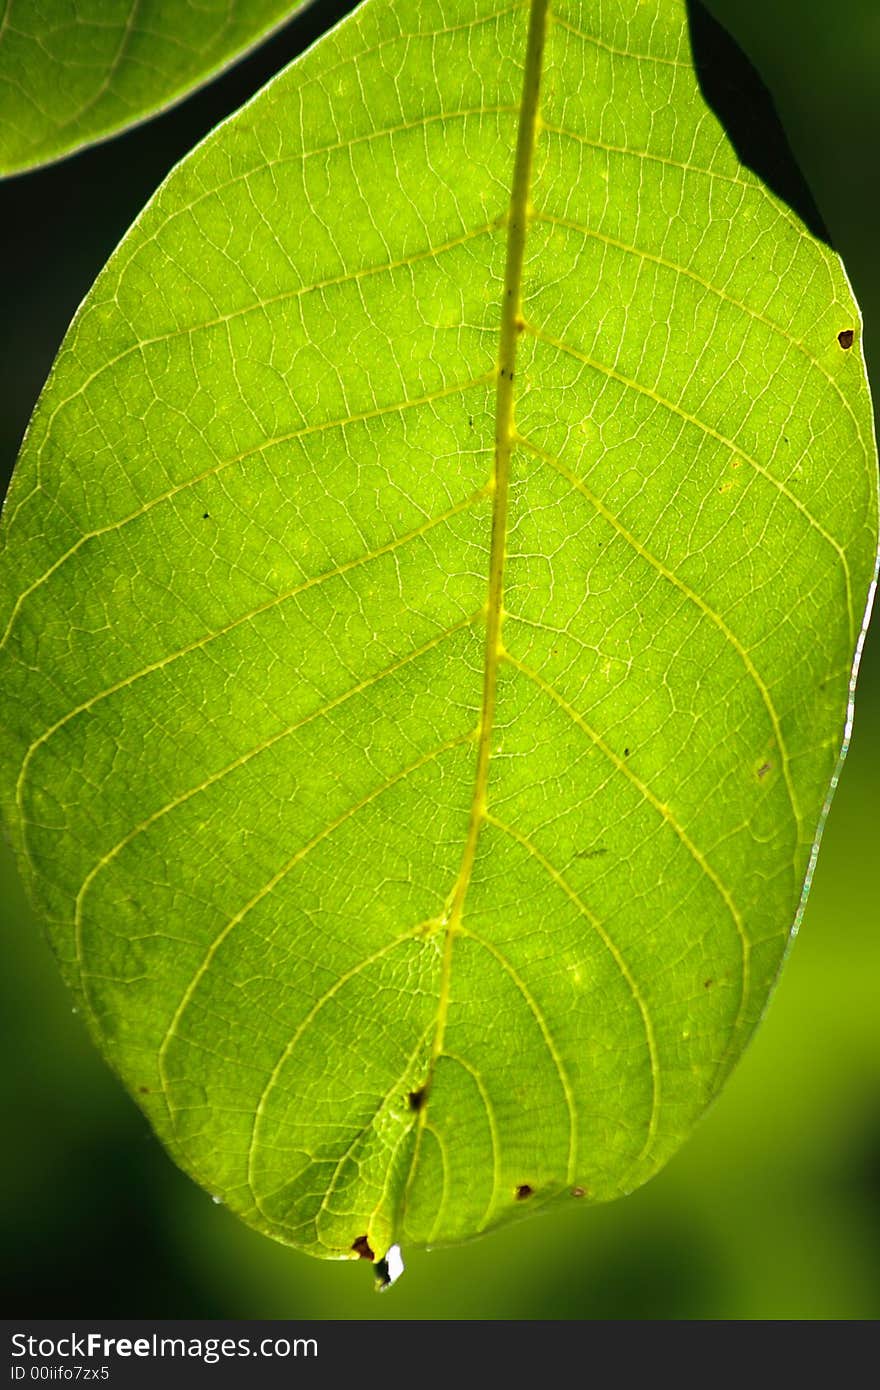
column 74, row 73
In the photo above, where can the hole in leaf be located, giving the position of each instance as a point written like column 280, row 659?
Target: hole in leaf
column 389, row 1270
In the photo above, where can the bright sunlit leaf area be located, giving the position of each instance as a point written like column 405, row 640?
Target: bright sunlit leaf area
column 432, row 581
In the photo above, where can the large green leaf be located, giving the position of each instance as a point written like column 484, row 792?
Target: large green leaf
column 431, row 587
column 76, row 71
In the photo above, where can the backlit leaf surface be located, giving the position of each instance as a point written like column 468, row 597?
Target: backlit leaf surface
column 432, row 581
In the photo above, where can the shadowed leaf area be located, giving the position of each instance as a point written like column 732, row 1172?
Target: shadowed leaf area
column 432, row 581
column 737, row 95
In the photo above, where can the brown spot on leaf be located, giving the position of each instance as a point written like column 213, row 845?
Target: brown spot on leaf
column 519, row 324
column 626, row 752
column 763, row 770
column 361, row 1246
column 591, row 853
column 578, row 1192
column 416, row 1099
column 707, row 984
column 845, row 337
column 144, row 1090
column 524, row 1191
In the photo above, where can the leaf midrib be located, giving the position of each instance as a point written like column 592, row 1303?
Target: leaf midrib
column 511, row 328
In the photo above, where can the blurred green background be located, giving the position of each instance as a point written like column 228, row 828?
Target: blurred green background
column 772, row 1210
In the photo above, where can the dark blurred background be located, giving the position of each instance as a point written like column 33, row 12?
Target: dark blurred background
column 772, row 1210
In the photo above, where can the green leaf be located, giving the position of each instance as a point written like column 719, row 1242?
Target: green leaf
column 76, row 71
column 432, row 580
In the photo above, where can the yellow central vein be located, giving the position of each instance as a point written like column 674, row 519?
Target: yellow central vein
column 505, row 436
